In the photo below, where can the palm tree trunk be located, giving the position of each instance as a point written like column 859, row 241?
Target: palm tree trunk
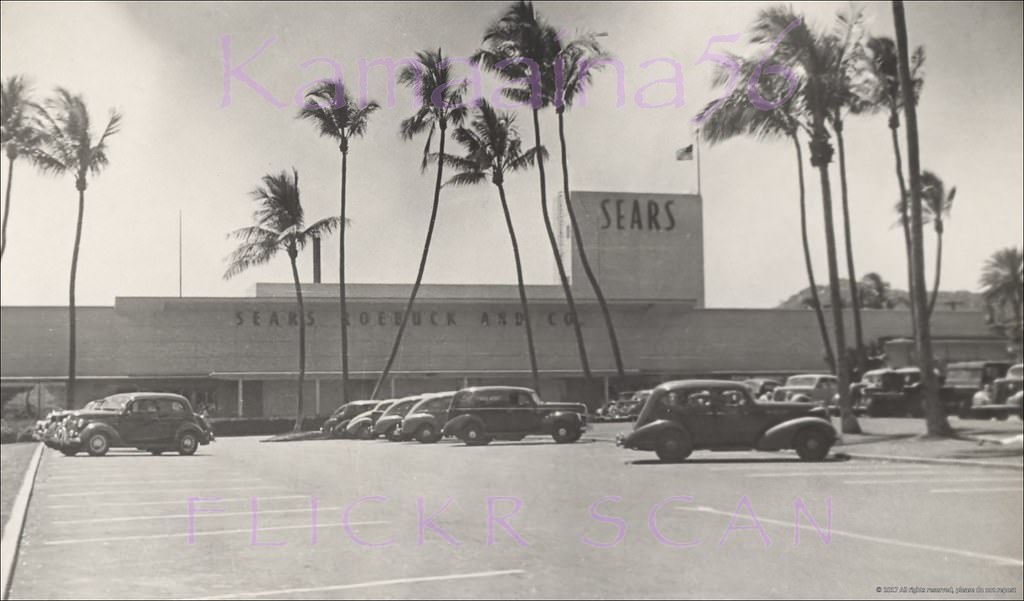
column 419, row 273
column 70, row 391
column 938, row 270
column 574, row 315
column 935, row 417
column 818, row 312
column 7, row 206
column 522, row 288
column 302, row 339
column 858, row 329
column 342, row 290
column 616, row 352
column 821, row 155
column 904, row 216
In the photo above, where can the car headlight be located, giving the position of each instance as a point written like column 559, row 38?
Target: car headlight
column 80, row 423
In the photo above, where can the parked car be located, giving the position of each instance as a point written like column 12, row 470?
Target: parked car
column 807, row 388
column 361, row 426
column 481, row 414
column 390, row 422
column 425, row 421
column 762, row 387
column 719, row 415
column 965, row 379
column 151, row 421
column 892, row 392
column 335, row 425
column 1001, row 398
column 628, row 405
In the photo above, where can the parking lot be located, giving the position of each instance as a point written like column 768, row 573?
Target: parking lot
column 347, row 518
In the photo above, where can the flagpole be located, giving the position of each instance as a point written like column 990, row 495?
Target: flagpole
column 179, row 253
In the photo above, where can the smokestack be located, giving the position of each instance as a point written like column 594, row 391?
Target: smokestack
column 316, row 260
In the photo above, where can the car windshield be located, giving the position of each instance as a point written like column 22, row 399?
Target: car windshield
column 112, row 403
column 802, row 381
column 1016, row 372
column 383, row 406
column 401, row 408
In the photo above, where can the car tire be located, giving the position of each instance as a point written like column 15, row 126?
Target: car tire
column 474, row 435
column 565, row 432
column 673, row 447
column 393, row 434
column 69, row 452
column 812, row 445
column 98, row 444
column 155, row 452
column 363, row 433
column 428, row 434
column 188, row 443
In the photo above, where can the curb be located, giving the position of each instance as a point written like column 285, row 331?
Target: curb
column 936, row 461
column 15, row 524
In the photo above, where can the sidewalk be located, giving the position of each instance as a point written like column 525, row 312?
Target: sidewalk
column 995, row 443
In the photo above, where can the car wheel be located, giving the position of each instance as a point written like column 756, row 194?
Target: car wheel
column 394, row 435
column 812, row 445
column 565, row 432
column 98, row 444
column 673, row 446
column 155, row 452
column 363, row 433
column 188, row 443
column 473, row 435
column 427, row 434
column 69, row 452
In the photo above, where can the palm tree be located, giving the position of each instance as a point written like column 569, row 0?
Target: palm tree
column 493, row 147
column 937, row 204
column 804, row 51
column 440, row 105
column 521, row 46
column 883, row 93
column 845, row 50
column 935, row 417
column 1002, row 279
column 337, row 117
column 19, row 134
column 736, row 116
column 280, row 224
column 68, row 145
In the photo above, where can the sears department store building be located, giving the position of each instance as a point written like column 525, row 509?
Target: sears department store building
column 239, row 355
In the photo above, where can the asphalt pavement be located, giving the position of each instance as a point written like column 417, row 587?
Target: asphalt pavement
column 352, row 519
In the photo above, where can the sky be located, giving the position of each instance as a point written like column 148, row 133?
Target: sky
column 189, row 145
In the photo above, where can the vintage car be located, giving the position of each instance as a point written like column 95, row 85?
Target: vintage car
column 151, row 421
column 807, row 388
column 481, row 414
column 762, row 387
column 963, row 380
column 390, row 422
column 1001, row 398
column 361, row 426
column 891, row 392
column 719, row 415
column 335, row 425
column 628, row 405
column 425, row 421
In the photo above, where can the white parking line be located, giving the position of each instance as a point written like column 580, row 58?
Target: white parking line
column 975, row 490
column 143, row 482
column 178, row 502
column 139, row 518
column 165, row 490
column 841, row 473
column 372, row 583
column 78, row 541
column 933, row 480
column 999, row 559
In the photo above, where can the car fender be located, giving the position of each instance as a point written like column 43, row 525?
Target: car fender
column 550, row 419
column 93, row 428
column 354, row 424
column 187, row 427
column 456, row 425
column 412, row 422
column 650, row 432
column 781, row 435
